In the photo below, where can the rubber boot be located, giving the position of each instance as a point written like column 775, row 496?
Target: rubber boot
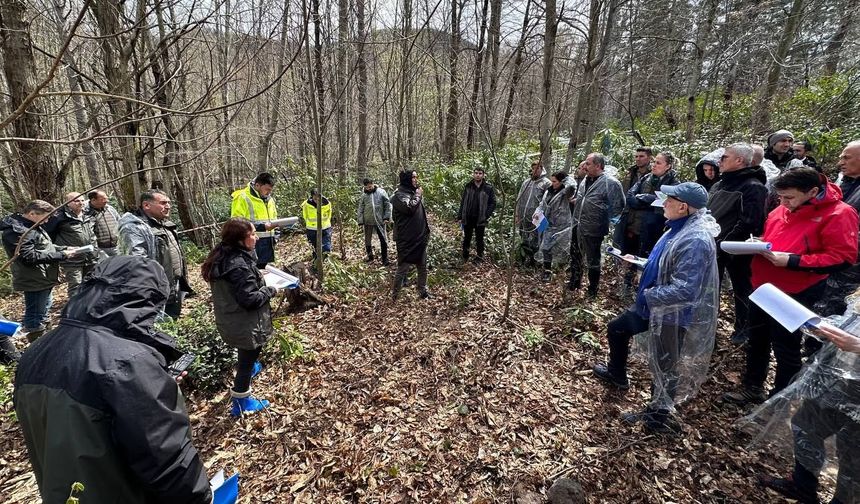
column 385, row 261
column 244, row 403
column 256, row 370
column 34, row 334
column 8, row 352
column 593, row 282
column 369, row 252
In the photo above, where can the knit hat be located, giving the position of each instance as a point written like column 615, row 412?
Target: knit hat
column 778, row 136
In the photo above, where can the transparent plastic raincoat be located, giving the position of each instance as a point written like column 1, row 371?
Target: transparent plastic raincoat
column 528, row 199
column 683, row 313
column 816, row 419
column 555, row 240
column 597, row 205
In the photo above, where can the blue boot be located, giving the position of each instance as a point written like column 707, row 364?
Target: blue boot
column 244, row 402
column 257, row 368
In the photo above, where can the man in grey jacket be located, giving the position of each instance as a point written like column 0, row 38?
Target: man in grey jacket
column 374, row 212
column 105, row 221
column 599, row 199
column 149, row 233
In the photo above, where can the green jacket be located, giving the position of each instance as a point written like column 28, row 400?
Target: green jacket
column 37, row 265
column 67, row 230
column 96, row 403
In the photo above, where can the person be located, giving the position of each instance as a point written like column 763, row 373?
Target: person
column 842, row 283
column 737, row 202
column 95, row 400
column 35, row 269
column 309, row 215
column 642, row 159
column 822, row 403
column 626, row 235
column 374, row 212
column 555, row 207
column 477, row 205
column 105, row 221
column 812, row 234
column 411, row 233
column 802, row 151
column 676, row 305
column 779, row 150
column 708, row 169
column 71, row 227
column 240, row 299
column 256, row 203
column 599, row 199
column 148, row 232
column 528, row 199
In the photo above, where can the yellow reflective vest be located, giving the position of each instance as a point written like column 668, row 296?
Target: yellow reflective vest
column 247, row 204
column 309, row 214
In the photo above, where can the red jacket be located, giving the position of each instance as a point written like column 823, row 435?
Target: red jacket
column 821, row 237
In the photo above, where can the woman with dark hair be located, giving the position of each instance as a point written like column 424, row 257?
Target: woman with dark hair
column 813, row 233
column 241, row 301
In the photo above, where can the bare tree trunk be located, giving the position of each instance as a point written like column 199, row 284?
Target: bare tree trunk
column 761, row 112
column 706, row 22
column 495, row 41
column 516, row 74
column 36, row 165
column 404, row 98
column 265, row 144
column 453, row 89
column 342, row 91
column 833, row 50
column 546, row 119
column 361, row 70
column 476, row 81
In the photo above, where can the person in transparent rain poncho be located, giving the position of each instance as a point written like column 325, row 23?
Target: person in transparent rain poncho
column 817, row 416
column 675, row 314
column 528, row 199
column 555, row 239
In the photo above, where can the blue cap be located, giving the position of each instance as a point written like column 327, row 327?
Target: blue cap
column 690, row 193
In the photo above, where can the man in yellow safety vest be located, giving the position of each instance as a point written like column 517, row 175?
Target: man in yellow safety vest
column 256, row 203
column 309, row 215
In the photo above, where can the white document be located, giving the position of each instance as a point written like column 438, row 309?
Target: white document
column 661, row 199
column 285, row 222
column 638, row 261
column 279, row 279
column 785, row 310
column 86, row 249
column 745, row 247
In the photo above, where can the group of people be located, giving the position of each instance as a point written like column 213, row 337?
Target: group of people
column 106, row 361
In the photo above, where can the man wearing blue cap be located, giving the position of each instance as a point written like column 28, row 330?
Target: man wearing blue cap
column 676, row 309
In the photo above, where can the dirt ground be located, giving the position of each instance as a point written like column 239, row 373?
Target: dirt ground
column 442, row 401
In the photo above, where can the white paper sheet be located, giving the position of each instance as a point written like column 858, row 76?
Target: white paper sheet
column 638, row 261
column 279, row 279
column 285, row 222
column 785, row 310
column 745, row 247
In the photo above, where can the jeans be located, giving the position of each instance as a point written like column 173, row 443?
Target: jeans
column 479, row 240
column 766, row 334
column 403, row 270
column 740, row 274
column 326, row 240
column 244, row 369
column 36, row 306
column 368, row 240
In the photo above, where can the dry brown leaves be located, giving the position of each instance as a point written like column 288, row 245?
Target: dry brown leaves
column 424, row 401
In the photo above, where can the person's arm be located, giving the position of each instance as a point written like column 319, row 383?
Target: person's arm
column 151, row 431
column 386, row 205
column 132, row 240
column 406, row 203
column 360, row 212
column 491, row 201
column 462, row 202
column 685, row 280
column 752, row 214
column 843, row 340
column 244, row 287
column 616, row 199
column 839, row 253
column 28, row 254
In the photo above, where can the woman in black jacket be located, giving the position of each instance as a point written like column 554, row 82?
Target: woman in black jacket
column 241, row 301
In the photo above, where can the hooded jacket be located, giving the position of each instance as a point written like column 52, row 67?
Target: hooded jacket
column 780, row 161
column 737, row 202
column 374, row 208
column 712, row 158
column 820, row 235
column 37, row 265
column 96, row 403
column 477, row 204
column 411, row 231
column 241, row 299
column 597, row 204
column 529, row 197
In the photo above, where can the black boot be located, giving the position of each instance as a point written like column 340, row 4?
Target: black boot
column 593, row 282
column 369, row 252
column 385, row 261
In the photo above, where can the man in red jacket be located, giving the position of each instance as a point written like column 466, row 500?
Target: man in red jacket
column 813, row 234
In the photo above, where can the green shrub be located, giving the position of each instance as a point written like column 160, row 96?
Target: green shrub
column 7, row 374
column 193, row 253
column 287, row 343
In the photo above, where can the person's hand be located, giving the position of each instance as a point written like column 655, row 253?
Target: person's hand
column 779, row 259
column 270, row 226
column 70, row 252
column 572, row 200
column 419, row 192
column 272, row 291
column 843, row 340
column 181, row 376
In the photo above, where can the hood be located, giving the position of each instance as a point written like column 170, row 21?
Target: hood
column 754, row 172
column 542, row 173
column 713, row 158
column 406, row 179
column 313, row 203
column 370, row 191
column 16, row 222
column 832, row 193
column 226, row 260
column 125, row 294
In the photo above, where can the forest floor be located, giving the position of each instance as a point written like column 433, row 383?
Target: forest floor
column 442, row 401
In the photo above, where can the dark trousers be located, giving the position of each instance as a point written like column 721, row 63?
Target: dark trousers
column 589, row 247
column 812, row 424
column 740, row 273
column 766, row 334
column 326, row 240
column 663, row 362
column 265, row 251
column 244, row 369
column 403, row 269
column 479, row 240
column 368, row 240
